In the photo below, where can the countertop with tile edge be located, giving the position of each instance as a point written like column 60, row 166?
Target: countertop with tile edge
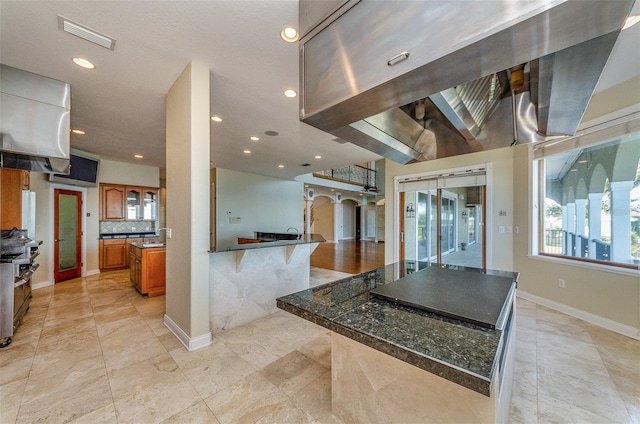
column 458, row 351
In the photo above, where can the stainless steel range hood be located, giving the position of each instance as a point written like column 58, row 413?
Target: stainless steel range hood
column 366, row 65
column 34, row 122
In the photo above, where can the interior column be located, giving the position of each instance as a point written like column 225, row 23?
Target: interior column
column 188, row 145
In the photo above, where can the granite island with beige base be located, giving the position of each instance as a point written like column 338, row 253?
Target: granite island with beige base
column 447, row 357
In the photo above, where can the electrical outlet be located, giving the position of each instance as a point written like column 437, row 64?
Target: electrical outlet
column 561, row 283
column 168, row 232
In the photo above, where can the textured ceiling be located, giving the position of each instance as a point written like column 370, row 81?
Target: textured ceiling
column 121, row 104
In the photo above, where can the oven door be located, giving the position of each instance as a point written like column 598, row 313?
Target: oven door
column 7, row 287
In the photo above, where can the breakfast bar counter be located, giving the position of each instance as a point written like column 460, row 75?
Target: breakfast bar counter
column 447, row 357
column 246, row 279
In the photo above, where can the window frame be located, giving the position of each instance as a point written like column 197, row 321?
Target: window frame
column 593, row 136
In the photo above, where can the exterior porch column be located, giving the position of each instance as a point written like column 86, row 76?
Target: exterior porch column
column 565, row 229
column 595, row 223
column 571, row 227
column 581, row 216
column 621, row 221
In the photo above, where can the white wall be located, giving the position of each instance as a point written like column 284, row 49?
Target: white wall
column 262, row 204
column 323, row 218
column 349, row 220
column 129, row 174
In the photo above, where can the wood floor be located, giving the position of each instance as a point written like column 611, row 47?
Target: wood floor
column 349, row 256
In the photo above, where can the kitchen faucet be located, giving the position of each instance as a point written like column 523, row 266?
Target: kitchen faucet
column 296, row 230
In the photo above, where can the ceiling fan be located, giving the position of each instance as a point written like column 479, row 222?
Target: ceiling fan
column 370, row 189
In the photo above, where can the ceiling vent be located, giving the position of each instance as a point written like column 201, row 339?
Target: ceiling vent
column 86, row 33
column 305, row 164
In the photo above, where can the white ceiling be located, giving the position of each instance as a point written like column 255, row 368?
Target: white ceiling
column 121, row 104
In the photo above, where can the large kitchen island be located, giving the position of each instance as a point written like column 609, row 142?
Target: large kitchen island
column 414, row 342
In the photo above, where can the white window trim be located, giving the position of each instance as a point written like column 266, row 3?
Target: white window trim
column 630, row 119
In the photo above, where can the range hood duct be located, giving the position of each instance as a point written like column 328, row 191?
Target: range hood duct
column 34, row 122
column 449, row 54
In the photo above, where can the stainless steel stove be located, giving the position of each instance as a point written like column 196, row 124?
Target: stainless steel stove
column 17, row 255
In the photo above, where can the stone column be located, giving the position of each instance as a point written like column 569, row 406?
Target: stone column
column 307, row 224
column 621, row 220
column 595, row 223
column 581, row 205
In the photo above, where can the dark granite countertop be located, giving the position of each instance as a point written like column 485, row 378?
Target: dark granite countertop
column 456, row 350
column 304, row 239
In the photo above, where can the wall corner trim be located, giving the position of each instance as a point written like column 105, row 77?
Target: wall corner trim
column 625, row 330
column 189, row 343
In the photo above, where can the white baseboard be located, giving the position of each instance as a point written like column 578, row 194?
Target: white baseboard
column 623, row 329
column 188, row 342
column 41, row 284
column 91, row 272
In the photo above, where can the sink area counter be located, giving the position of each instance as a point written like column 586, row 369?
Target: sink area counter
column 246, row 279
column 258, row 243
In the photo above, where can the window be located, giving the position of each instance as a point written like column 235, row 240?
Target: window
column 590, row 194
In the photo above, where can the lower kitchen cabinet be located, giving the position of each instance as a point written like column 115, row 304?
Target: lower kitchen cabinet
column 147, row 269
column 113, row 253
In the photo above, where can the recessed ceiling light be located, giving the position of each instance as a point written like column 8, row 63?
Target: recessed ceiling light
column 289, row 34
column 333, row 189
column 360, row 194
column 318, row 157
column 254, row 138
column 583, row 161
column 281, row 166
column 290, row 93
column 631, row 21
column 247, row 151
column 216, row 119
column 83, row 63
column 573, row 169
column 77, row 131
column 138, row 156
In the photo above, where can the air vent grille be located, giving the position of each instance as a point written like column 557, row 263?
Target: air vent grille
column 85, row 33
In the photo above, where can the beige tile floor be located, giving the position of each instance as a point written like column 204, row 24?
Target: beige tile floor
column 93, row 350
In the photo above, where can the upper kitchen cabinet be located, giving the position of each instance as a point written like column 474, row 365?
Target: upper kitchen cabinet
column 112, row 198
column 123, row 203
column 150, row 204
column 13, row 182
column 134, row 203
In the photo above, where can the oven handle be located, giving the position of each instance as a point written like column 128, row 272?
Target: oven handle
column 27, row 275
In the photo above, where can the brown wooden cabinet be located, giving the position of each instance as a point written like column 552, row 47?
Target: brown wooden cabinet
column 147, row 269
column 113, row 199
column 113, row 253
column 122, row 203
column 12, row 182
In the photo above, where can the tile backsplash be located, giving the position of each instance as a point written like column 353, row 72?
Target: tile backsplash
column 108, row 227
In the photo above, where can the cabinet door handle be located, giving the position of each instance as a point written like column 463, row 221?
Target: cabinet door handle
column 398, row 58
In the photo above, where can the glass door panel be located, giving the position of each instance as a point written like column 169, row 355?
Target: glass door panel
column 423, row 234
column 67, row 232
column 150, row 203
column 133, row 203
